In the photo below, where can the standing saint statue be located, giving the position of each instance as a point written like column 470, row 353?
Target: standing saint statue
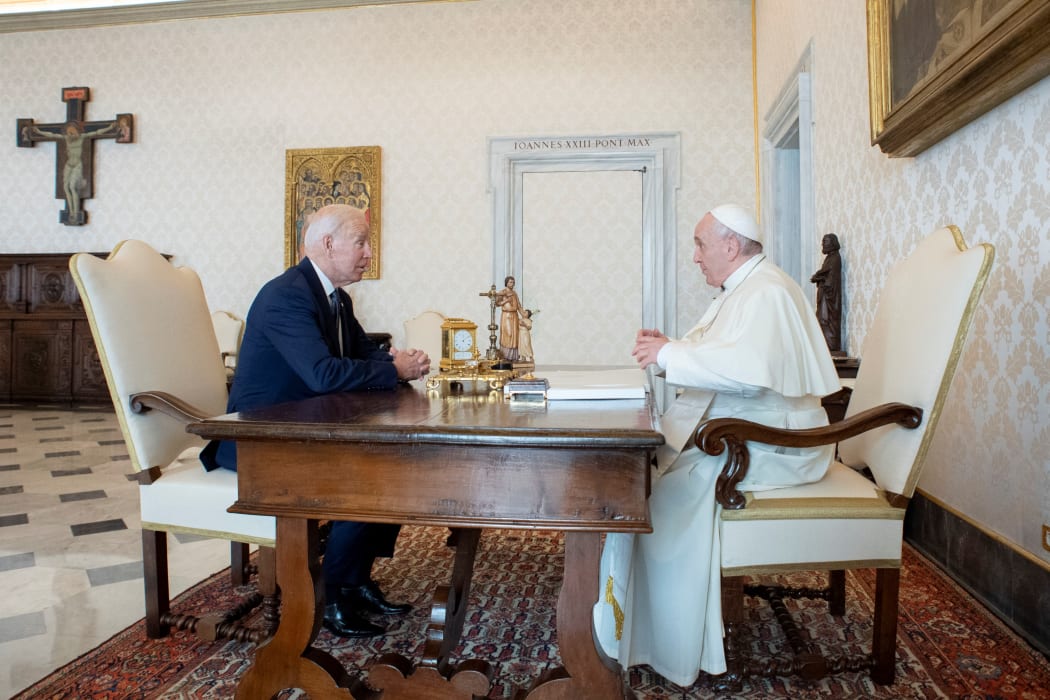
column 525, row 336
column 829, row 293
column 509, row 322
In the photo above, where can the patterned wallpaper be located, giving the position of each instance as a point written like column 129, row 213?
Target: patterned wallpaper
column 990, row 459
column 217, row 102
column 583, row 256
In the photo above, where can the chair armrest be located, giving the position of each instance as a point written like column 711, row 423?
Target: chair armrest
column 716, row 435
column 167, row 404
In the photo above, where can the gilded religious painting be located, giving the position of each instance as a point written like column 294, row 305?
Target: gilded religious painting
column 319, row 176
column 935, row 66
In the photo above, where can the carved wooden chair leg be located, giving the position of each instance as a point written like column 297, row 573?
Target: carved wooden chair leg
column 837, row 592
column 212, row 626
column 884, row 631
column 733, row 618
column 240, row 569
column 806, row 659
column 155, row 573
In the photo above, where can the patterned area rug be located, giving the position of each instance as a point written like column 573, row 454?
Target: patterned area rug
column 948, row 645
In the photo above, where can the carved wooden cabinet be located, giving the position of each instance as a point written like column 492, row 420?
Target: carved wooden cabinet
column 46, row 350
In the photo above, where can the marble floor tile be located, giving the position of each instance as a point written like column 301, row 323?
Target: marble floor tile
column 70, row 544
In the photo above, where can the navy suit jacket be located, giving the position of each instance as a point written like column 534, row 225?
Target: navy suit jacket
column 290, row 351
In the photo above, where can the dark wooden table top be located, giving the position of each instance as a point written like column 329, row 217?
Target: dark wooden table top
column 471, row 460
column 413, row 414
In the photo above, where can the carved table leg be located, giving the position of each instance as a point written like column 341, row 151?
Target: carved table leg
column 288, row 660
column 267, row 582
column 587, row 673
column 435, row 677
column 450, row 602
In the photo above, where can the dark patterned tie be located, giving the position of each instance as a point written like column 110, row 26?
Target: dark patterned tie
column 337, row 311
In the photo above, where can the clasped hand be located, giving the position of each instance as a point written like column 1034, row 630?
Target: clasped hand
column 647, row 344
column 410, row 364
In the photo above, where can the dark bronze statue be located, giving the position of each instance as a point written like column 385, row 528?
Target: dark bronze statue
column 829, row 293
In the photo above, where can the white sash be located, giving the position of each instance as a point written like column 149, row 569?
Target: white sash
column 678, row 425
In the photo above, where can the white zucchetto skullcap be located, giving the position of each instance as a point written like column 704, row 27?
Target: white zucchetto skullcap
column 739, row 220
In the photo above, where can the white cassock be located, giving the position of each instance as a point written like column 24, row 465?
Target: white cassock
column 757, row 353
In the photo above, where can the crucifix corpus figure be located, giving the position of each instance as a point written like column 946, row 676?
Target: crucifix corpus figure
column 75, row 154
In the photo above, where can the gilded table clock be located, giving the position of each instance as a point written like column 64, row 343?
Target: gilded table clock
column 461, row 364
column 459, row 346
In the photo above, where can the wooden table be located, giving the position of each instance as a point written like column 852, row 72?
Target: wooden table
column 466, row 462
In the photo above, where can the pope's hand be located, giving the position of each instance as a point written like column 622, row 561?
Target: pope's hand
column 647, row 346
column 649, row 333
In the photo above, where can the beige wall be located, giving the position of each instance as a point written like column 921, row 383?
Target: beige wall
column 990, row 460
column 217, row 102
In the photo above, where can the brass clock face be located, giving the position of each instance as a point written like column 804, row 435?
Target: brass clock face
column 458, row 342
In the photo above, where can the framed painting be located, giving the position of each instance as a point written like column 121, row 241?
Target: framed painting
column 316, row 177
column 934, row 66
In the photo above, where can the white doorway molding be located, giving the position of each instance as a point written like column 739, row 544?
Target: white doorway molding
column 656, row 156
column 787, row 182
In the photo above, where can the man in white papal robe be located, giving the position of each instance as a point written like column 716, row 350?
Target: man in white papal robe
column 757, row 353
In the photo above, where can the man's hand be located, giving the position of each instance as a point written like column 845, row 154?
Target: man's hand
column 410, row 364
column 647, row 346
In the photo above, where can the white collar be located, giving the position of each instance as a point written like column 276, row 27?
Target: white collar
column 740, row 274
column 325, row 282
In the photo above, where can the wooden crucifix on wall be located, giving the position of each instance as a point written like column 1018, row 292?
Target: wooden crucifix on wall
column 75, row 154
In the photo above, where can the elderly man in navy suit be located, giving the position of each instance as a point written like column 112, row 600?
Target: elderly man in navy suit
column 301, row 340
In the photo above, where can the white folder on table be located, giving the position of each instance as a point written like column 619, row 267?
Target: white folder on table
column 596, row 384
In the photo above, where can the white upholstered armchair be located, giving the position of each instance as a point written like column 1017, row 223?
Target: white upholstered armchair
column 423, row 332
column 853, row 517
column 157, row 345
column 229, row 330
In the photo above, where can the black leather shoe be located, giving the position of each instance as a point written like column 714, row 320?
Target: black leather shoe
column 346, row 623
column 368, row 598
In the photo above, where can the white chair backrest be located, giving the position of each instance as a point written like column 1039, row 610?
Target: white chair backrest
column 424, row 333
column 229, row 329
column 912, row 349
column 153, row 332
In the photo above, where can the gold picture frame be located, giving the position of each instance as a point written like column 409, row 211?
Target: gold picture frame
column 315, row 177
column 935, row 66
